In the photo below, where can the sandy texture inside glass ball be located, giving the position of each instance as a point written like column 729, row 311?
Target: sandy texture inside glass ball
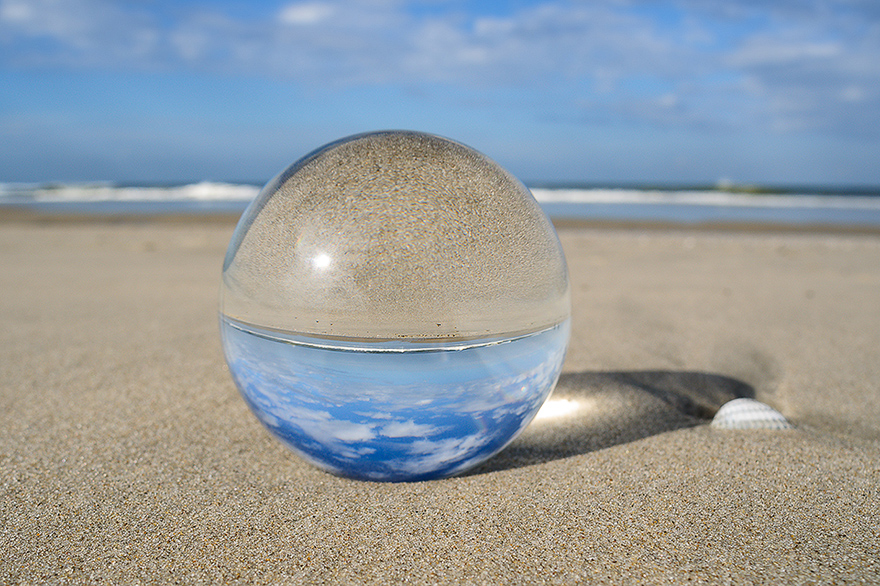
column 396, row 235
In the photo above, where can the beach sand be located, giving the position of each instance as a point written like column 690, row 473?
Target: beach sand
column 127, row 455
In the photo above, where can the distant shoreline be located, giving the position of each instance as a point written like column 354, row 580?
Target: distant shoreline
column 724, row 205
column 721, row 187
column 14, row 215
column 866, row 190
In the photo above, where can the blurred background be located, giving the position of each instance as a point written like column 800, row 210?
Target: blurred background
column 602, row 92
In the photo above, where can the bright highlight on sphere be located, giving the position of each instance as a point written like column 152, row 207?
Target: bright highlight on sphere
column 322, row 261
column 395, row 306
column 555, row 408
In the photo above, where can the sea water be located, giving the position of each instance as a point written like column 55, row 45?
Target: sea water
column 393, row 411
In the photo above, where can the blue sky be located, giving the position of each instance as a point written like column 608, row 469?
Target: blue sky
column 752, row 91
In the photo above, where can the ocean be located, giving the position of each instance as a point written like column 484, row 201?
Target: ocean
column 688, row 205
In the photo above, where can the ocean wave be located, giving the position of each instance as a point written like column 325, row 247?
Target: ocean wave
column 97, row 192
column 682, row 205
column 703, row 198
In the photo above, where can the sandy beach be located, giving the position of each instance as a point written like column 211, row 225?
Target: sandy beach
column 128, row 456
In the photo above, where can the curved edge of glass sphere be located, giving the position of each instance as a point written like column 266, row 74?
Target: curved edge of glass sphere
column 395, row 307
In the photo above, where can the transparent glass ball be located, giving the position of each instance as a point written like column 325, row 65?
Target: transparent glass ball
column 395, row 307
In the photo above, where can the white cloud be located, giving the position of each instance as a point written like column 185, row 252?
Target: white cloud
column 771, row 50
column 600, row 61
column 426, row 456
column 50, row 18
column 853, row 93
column 76, row 33
column 669, row 100
column 306, row 13
column 409, row 429
column 332, row 431
column 16, row 11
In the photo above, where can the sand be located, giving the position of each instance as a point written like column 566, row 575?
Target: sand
column 127, row 455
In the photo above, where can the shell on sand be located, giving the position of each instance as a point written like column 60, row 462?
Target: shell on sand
column 749, row 414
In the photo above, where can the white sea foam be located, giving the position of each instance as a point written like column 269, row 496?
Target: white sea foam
column 207, row 191
column 101, row 192
column 703, row 198
column 684, row 205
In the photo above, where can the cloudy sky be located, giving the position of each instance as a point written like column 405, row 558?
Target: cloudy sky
column 752, row 91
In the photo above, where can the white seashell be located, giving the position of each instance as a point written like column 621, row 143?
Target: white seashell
column 749, row 414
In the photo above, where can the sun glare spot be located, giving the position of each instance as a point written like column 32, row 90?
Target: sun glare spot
column 321, row 261
column 557, row 408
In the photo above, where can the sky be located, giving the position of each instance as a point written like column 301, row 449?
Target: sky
column 598, row 91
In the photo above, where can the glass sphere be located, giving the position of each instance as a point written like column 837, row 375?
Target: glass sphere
column 395, row 306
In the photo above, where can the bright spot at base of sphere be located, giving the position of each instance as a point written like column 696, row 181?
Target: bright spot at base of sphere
column 557, row 408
